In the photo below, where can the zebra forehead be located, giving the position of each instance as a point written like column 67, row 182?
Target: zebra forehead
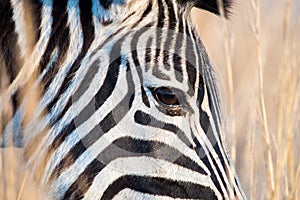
column 110, row 9
column 209, row 5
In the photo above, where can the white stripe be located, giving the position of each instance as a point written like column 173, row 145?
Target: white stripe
column 83, row 129
column 204, row 142
column 205, row 106
column 76, row 42
column 139, row 132
column 132, row 194
column 142, row 166
column 20, row 26
column 32, row 62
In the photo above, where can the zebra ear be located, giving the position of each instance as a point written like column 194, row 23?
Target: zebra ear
column 211, row 5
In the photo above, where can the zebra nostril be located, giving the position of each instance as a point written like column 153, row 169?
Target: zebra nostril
column 166, row 96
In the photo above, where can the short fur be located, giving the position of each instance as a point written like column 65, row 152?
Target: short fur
column 211, row 5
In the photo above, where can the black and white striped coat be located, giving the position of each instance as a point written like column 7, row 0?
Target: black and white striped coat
column 113, row 99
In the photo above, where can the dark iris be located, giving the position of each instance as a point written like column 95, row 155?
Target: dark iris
column 166, row 96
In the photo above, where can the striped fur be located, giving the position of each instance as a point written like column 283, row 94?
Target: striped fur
column 83, row 79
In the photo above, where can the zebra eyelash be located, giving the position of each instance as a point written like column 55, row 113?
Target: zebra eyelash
column 180, row 108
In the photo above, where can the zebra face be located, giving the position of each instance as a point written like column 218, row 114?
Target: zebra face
column 128, row 106
column 144, row 130
column 152, row 124
column 149, row 94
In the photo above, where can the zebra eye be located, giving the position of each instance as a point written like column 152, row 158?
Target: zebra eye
column 166, row 96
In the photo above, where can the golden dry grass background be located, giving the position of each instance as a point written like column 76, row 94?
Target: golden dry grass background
column 263, row 38
column 261, row 116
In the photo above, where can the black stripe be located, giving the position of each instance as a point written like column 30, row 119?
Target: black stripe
column 159, row 186
column 202, row 155
column 215, row 144
column 87, row 25
column 84, row 181
column 9, row 57
column 166, row 53
column 159, row 35
column 218, row 151
column 219, row 171
column 190, row 62
column 201, row 92
column 212, row 95
column 134, row 55
column 177, row 59
column 206, row 126
column 81, row 185
column 159, row 74
column 207, row 74
column 171, row 15
column 129, row 147
column 215, row 115
column 161, row 14
column 101, row 96
column 177, row 63
column 59, row 38
column 148, row 53
column 212, row 6
column 36, row 10
column 148, row 120
column 9, row 50
column 106, row 4
column 205, row 122
column 180, row 18
column 106, row 41
column 16, row 99
column 170, row 35
column 238, row 186
column 146, row 12
column 61, row 137
column 160, row 24
column 89, row 75
column 110, row 121
column 145, row 97
column 103, row 93
column 128, row 17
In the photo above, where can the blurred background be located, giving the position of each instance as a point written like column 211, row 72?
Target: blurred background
column 256, row 56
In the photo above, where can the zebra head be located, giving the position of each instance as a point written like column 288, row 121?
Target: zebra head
column 132, row 109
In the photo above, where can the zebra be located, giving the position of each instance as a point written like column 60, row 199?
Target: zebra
column 114, row 99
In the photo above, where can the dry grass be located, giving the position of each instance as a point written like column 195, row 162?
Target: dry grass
column 256, row 56
column 264, row 38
